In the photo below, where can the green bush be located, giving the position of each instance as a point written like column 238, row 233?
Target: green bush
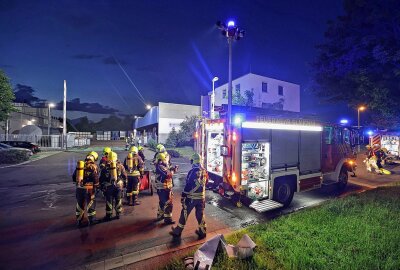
column 152, row 144
column 13, row 157
column 173, row 153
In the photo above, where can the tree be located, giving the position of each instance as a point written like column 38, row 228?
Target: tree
column 85, row 125
column 6, row 97
column 238, row 99
column 172, row 139
column 187, row 130
column 185, row 134
column 249, row 98
column 359, row 63
column 25, row 94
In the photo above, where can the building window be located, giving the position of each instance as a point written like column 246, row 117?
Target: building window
column 224, row 95
column 265, row 87
column 280, row 90
column 237, row 89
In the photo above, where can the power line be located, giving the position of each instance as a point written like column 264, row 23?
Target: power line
column 130, row 80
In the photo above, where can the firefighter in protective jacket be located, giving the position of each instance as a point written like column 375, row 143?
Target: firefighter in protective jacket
column 86, row 177
column 103, row 160
column 112, row 179
column 141, row 153
column 135, row 168
column 193, row 197
column 163, row 184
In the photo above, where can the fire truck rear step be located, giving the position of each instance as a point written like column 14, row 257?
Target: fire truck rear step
column 265, row 205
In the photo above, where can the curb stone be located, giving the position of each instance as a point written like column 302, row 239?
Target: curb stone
column 148, row 253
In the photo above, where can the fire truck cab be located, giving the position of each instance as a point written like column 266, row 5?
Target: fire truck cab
column 264, row 159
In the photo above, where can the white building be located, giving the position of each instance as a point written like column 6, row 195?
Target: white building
column 159, row 120
column 26, row 115
column 268, row 93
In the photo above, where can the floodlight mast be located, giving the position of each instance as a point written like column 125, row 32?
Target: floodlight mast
column 231, row 32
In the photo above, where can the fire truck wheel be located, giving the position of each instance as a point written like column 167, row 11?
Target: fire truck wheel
column 343, row 178
column 283, row 192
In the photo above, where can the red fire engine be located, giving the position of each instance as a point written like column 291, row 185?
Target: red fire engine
column 266, row 158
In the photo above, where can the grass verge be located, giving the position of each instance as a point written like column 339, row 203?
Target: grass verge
column 186, row 151
column 357, row 232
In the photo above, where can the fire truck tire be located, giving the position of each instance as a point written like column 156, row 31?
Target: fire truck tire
column 283, row 192
column 342, row 179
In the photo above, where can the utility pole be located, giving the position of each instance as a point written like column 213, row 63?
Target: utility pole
column 65, row 116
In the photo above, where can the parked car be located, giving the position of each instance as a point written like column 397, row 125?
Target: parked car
column 23, row 144
column 7, row 148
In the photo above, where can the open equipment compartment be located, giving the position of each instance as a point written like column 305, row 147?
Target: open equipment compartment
column 255, row 168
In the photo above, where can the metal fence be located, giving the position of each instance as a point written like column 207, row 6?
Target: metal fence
column 48, row 141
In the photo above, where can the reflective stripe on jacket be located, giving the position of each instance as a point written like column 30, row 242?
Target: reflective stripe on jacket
column 196, row 181
column 163, row 176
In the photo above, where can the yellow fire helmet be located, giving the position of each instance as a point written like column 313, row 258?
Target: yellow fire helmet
column 133, row 150
column 384, row 150
column 140, row 148
column 90, row 157
column 195, row 158
column 94, row 154
column 162, row 157
column 106, row 151
column 113, row 156
column 159, row 146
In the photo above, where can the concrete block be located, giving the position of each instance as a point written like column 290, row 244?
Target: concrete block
column 96, row 266
column 114, row 263
column 131, row 258
column 148, row 253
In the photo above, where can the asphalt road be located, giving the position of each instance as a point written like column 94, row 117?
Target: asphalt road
column 38, row 217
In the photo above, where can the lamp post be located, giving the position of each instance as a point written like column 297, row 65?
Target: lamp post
column 51, row 105
column 231, row 32
column 359, row 109
column 148, row 106
column 213, row 98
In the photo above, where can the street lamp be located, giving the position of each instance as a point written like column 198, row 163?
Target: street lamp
column 359, row 109
column 148, row 106
column 51, row 105
column 213, row 98
column 231, row 32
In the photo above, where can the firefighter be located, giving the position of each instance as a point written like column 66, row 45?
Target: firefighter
column 193, row 197
column 112, row 180
column 141, row 153
column 380, row 156
column 159, row 147
column 161, row 150
column 163, row 184
column 103, row 160
column 94, row 154
column 134, row 167
column 86, row 177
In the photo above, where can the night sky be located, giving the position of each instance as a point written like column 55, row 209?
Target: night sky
column 170, row 49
